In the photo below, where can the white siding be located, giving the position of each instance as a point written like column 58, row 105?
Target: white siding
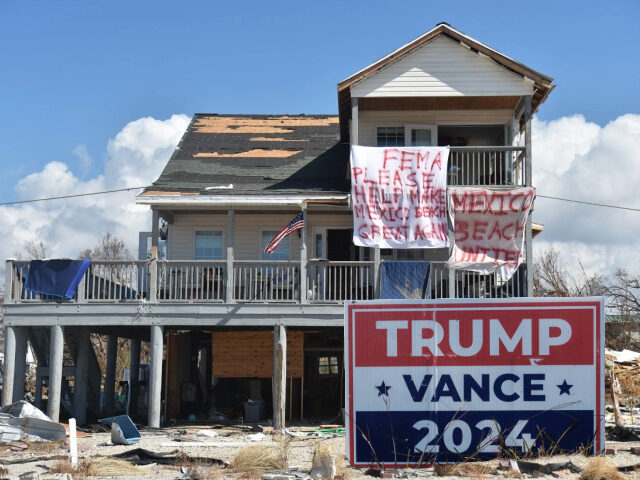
column 248, row 228
column 368, row 121
column 182, row 233
column 442, row 68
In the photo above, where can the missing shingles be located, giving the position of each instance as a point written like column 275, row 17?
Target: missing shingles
column 277, row 139
column 254, row 153
column 258, row 125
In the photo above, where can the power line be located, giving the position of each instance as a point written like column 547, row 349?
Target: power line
column 139, row 188
column 590, row 203
column 70, row 196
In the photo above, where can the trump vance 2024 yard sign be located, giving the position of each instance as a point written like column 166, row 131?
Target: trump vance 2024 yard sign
column 451, row 379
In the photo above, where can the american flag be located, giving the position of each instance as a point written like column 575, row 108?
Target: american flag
column 296, row 224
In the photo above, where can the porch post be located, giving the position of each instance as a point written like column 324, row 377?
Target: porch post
column 110, row 375
column 279, row 376
column 231, row 216
column 153, row 283
column 376, row 273
column 528, row 183
column 303, row 257
column 8, row 281
column 155, row 380
column 20, row 363
column 55, row 372
column 134, row 374
column 81, row 380
column 450, row 271
column 354, row 121
column 9, row 364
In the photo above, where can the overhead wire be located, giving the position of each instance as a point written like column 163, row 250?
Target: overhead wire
column 62, row 197
column 589, row 203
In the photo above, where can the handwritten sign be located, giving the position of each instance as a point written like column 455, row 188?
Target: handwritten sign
column 445, row 380
column 399, row 196
column 489, row 228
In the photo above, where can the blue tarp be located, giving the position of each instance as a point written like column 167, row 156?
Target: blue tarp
column 57, row 278
column 405, row 279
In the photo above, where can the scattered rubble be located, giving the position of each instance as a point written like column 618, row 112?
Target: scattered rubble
column 21, row 420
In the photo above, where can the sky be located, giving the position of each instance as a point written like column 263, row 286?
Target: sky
column 95, row 96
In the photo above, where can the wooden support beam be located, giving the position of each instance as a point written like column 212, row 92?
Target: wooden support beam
column 55, row 372
column 528, row 182
column 21, row 363
column 81, row 380
column 230, row 255
column 376, row 273
column 9, row 365
column 134, row 374
column 155, row 390
column 153, row 283
column 354, row 121
column 279, row 376
column 303, row 258
column 110, row 376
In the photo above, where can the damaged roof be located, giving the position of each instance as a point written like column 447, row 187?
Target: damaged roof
column 258, row 155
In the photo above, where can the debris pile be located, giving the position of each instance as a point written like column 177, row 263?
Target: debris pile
column 622, row 384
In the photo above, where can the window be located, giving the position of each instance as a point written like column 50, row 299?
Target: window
column 390, row 136
column 280, row 253
column 209, row 245
column 328, row 365
column 407, row 135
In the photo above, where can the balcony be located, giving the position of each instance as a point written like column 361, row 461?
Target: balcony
column 265, row 282
column 487, row 166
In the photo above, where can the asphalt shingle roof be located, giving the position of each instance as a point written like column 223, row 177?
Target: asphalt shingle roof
column 258, row 154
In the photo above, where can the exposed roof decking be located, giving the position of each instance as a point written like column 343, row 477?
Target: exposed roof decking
column 258, row 155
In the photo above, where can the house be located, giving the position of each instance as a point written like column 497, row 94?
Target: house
column 249, row 333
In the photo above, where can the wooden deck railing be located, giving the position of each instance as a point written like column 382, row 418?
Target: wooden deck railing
column 253, row 281
column 487, row 166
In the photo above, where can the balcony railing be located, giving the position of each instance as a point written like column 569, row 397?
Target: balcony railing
column 253, row 281
column 485, row 166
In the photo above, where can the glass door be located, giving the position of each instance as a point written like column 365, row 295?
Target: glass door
column 421, row 135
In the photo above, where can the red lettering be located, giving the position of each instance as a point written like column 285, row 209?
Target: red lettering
column 388, row 156
column 479, row 229
column 406, row 160
column 383, row 177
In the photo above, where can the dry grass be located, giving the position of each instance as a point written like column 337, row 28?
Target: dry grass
column 321, row 448
column 3, row 471
column 327, row 448
column 102, row 467
column 473, row 470
column 199, row 470
column 258, row 458
column 600, row 468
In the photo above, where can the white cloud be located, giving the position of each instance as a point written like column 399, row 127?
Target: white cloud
column 572, row 158
column 135, row 157
column 576, row 159
column 83, row 155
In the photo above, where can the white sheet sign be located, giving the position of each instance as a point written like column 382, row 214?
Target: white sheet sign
column 489, row 228
column 399, row 196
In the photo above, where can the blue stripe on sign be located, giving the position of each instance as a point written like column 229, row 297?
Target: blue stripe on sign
column 450, row 436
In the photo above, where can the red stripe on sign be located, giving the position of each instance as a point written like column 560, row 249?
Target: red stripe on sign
column 476, row 336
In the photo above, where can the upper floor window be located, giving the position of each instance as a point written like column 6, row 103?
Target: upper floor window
column 407, row 135
column 280, row 253
column 390, row 136
column 209, row 245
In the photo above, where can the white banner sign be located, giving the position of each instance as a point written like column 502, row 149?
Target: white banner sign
column 399, row 196
column 489, row 228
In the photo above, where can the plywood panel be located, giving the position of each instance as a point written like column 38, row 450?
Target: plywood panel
column 250, row 354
